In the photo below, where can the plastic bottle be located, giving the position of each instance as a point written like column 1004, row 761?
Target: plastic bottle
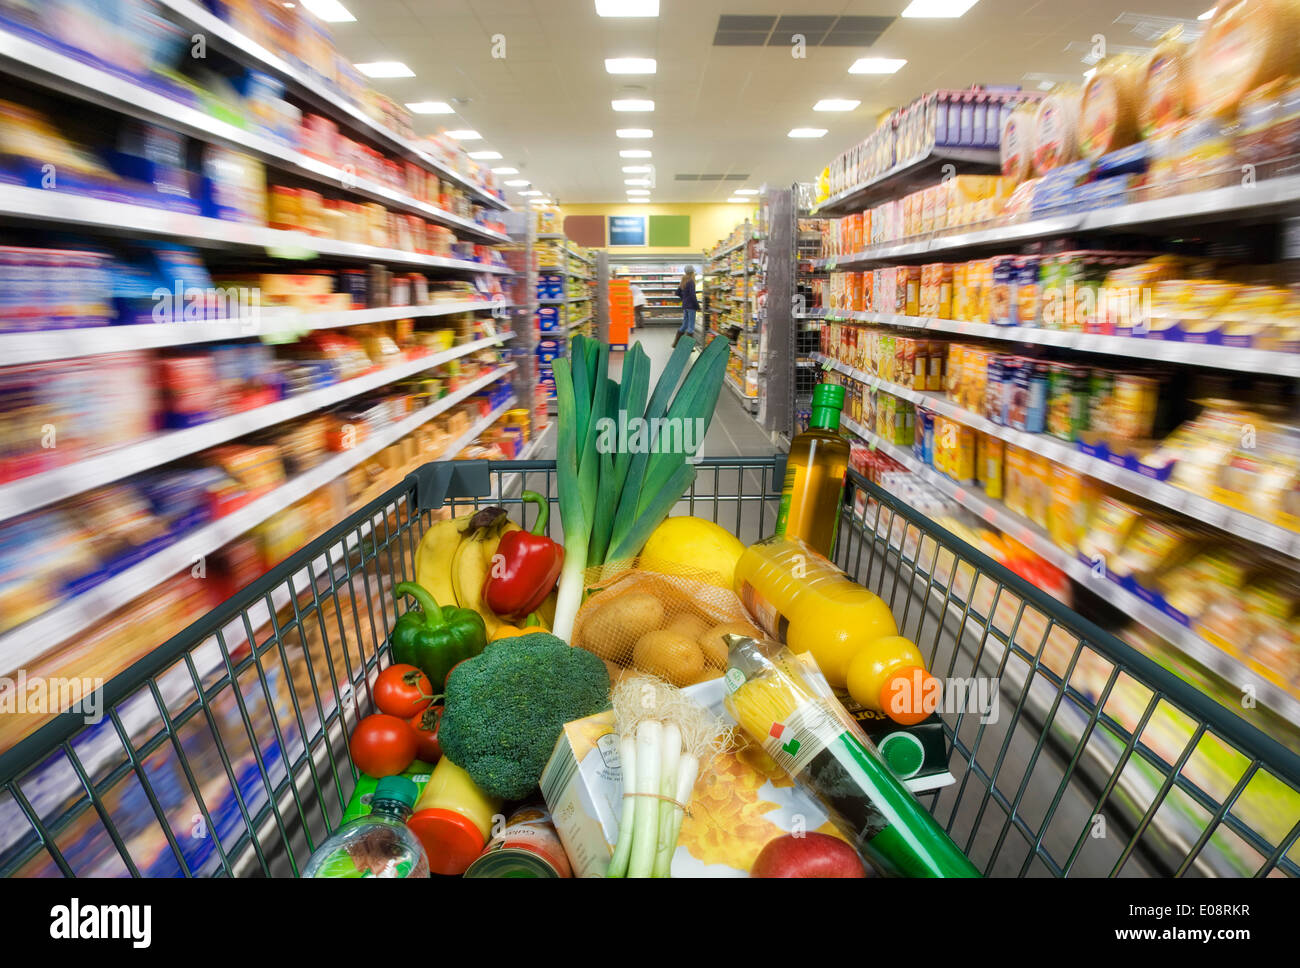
column 378, row 844
column 453, row 818
column 803, row 600
column 814, row 474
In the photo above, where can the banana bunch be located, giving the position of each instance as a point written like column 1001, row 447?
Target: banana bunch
column 455, row 555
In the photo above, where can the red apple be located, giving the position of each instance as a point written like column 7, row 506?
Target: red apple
column 808, row 855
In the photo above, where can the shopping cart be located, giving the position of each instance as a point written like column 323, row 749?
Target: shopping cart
column 224, row 752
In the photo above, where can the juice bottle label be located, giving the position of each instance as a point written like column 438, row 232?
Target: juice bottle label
column 770, row 620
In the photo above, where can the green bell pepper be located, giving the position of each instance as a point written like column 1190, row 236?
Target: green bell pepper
column 434, row 638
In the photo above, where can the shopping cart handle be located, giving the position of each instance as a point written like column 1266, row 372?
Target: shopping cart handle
column 439, row 480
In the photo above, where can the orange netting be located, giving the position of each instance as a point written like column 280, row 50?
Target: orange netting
column 659, row 618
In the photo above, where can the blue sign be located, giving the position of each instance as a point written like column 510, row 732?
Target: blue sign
column 627, row 230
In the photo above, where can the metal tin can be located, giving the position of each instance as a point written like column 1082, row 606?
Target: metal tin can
column 527, row 846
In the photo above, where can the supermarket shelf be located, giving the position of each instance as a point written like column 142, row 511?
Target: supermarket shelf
column 62, row 344
column 38, row 205
column 38, row 490
column 751, row 403
column 537, row 442
column 893, row 181
column 1035, row 538
column 581, row 322
column 304, row 85
column 1194, row 354
column 1272, row 196
column 57, row 71
column 29, row 641
column 1227, row 519
column 713, row 257
column 579, row 256
column 551, row 302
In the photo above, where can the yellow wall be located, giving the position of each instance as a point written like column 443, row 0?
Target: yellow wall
column 710, row 223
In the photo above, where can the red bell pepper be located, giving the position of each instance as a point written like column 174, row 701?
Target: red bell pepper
column 525, row 567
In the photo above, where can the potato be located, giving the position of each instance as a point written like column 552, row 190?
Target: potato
column 687, row 624
column 669, row 656
column 612, row 627
column 715, row 647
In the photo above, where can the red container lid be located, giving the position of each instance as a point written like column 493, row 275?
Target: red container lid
column 451, row 840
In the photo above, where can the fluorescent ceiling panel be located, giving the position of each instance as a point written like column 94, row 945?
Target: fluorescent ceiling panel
column 430, row 107
column 385, row 69
column 627, row 8
column 630, row 65
column 876, row 65
column 938, row 9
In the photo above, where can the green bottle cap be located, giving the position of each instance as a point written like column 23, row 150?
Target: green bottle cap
column 828, row 395
column 827, row 402
column 903, row 753
column 397, row 788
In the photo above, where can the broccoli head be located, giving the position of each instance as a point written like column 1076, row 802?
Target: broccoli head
column 505, row 708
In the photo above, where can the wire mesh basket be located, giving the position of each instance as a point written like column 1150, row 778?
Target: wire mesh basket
column 224, row 752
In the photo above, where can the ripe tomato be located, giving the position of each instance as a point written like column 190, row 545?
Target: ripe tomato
column 402, row 691
column 382, row 745
column 425, row 725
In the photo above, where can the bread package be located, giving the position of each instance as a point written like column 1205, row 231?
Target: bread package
column 1056, row 126
column 1108, row 112
column 1247, row 44
column 1164, row 84
column 1017, row 143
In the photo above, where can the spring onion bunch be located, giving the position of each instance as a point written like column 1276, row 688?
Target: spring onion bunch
column 663, row 738
column 612, row 497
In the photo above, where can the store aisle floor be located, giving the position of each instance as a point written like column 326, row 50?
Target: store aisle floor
column 732, row 432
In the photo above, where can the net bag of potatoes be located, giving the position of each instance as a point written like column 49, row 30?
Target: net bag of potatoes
column 664, row 620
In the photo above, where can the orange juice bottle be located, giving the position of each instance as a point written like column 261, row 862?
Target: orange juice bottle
column 800, row 598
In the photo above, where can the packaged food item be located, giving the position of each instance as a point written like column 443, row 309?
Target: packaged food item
column 1017, row 143
column 1164, row 84
column 527, row 846
column 1056, row 126
column 778, row 703
column 452, row 819
column 1002, row 291
column 1246, row 44
column 1109, row 526
column 376, row 844
column 1067, row 513
column 992, row 457
column 1108, row 113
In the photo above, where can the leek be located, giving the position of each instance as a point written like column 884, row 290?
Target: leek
column 610, row 502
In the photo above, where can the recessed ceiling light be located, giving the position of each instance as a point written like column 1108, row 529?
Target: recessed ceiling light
column 485, row 155
column 627, row 8
column 505, row 171
column 1208, row 14
column 465, row 134
column 876, row 65
column 1046, row 85
column 636, row 169
column 632, row 104
column 518, row 183
column 634, row 153
column 638, row 191
column 807, row 133
column 385, row 69
column 531, row 191
column 331, row 11
column 635, row 133
column 836, row 104
column 630, row 65
column 430, row 107
column 938, row 9
column 745, row 191
column 638, row 182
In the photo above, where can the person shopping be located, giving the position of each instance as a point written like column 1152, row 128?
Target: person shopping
column 690, row 305
column 638, row 305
